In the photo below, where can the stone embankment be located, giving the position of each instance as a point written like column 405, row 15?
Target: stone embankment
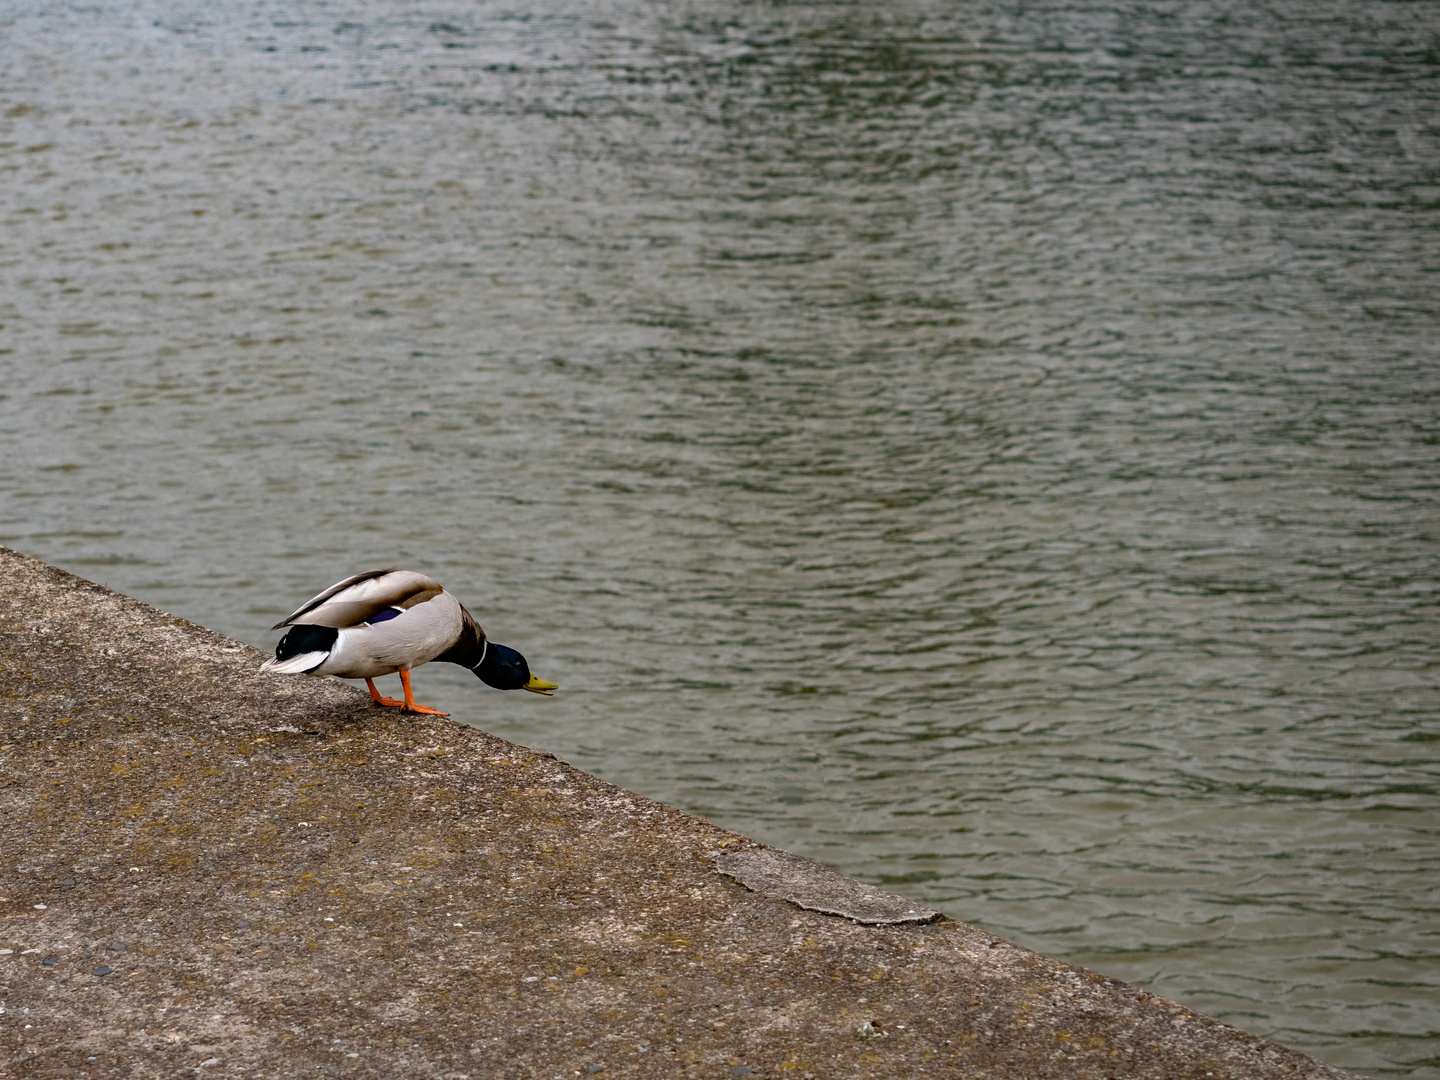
column 206, row 871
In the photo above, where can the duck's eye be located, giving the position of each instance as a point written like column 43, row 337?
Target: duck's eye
column 384, row 615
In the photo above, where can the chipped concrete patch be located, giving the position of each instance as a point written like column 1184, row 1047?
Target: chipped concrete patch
column 818, row 888
column 206, row 872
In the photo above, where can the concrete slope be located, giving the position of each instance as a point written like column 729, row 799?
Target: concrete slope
column 206, row 871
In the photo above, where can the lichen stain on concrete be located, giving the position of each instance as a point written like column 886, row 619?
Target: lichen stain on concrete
column 206, row 871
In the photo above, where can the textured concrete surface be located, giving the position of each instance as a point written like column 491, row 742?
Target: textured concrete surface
column 206, row 871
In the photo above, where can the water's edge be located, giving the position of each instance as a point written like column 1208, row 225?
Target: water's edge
column 215, row 857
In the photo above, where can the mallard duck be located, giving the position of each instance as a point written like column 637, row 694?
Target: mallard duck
column 386, row 621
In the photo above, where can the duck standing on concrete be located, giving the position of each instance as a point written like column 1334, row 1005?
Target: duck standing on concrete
column 386, row 621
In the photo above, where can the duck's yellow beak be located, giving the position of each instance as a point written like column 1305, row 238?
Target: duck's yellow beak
column 541, row 686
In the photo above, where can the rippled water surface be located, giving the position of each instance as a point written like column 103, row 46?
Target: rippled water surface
column 991, row 448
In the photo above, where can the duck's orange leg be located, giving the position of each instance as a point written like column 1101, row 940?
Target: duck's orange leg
column 378, row 700
column 410, row 705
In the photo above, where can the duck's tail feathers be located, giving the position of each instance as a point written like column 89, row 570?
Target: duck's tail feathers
column 295, row 665
column 303, row 649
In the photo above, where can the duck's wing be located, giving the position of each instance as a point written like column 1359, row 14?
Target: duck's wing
column 360, row 598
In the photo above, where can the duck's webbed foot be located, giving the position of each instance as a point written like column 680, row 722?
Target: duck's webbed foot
column 376, row 697
column 410, row 705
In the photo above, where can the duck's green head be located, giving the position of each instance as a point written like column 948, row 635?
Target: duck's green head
column 505, row 669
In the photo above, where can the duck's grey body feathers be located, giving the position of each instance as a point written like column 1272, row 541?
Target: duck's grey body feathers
column 387, row 621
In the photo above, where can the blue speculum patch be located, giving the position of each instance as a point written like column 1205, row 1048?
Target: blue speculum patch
column 384, row 616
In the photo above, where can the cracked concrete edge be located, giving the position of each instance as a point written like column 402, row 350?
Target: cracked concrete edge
column 817, row 887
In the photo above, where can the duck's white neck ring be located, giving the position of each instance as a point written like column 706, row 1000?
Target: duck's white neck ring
column 484, row 648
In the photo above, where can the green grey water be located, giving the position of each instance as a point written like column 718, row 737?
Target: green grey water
column 990, row 448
